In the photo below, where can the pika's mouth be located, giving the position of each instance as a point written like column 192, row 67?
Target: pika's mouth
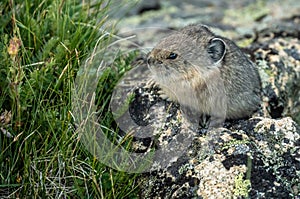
column 153, row 64
column 159, row 68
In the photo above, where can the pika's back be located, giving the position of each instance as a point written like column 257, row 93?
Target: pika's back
column 198, row 68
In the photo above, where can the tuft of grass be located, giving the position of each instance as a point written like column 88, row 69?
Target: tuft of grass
column 42, row 46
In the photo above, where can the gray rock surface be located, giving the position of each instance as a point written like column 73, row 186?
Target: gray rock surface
column 235, row 18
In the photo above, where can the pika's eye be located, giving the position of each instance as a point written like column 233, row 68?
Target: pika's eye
column 172, row 56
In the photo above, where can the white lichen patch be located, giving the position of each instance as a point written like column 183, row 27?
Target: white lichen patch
column 216, row 180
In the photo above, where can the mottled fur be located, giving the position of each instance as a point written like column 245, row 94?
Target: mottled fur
column 226, row 86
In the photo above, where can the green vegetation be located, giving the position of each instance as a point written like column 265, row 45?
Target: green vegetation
column 242, row 186
column 42, row 46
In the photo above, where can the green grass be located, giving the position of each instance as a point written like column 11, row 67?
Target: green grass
column 42, row 46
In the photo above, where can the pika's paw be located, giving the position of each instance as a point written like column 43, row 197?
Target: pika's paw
column 163, row 95
column 150, row 84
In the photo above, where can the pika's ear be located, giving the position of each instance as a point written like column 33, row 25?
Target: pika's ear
column 216, row 49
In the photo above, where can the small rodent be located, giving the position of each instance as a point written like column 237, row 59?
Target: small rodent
column 206, row 74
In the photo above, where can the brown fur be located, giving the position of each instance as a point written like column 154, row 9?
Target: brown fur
column 229, row 88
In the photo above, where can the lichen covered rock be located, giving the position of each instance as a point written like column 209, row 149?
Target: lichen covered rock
column 252, row 158
column 257, row 157
column 277, row 53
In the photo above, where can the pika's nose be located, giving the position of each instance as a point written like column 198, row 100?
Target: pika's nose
column 151, row 61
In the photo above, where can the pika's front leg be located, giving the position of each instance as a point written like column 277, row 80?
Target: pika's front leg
column 162, row 94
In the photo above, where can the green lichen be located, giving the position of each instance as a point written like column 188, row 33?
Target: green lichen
column 242, row 187
column 245, row 42
column 184, row 168
column 248, row 14
column 233, row 143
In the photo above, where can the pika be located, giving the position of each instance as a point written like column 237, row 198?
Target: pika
column 206, row 74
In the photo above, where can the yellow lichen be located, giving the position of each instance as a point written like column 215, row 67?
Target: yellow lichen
column 241, row 186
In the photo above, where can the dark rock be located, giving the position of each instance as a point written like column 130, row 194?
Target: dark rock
column 147, row 5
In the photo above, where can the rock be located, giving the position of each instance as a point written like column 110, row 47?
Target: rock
column 253, row 158
column 276, row 51
column 146, row 5
column 257, row 157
